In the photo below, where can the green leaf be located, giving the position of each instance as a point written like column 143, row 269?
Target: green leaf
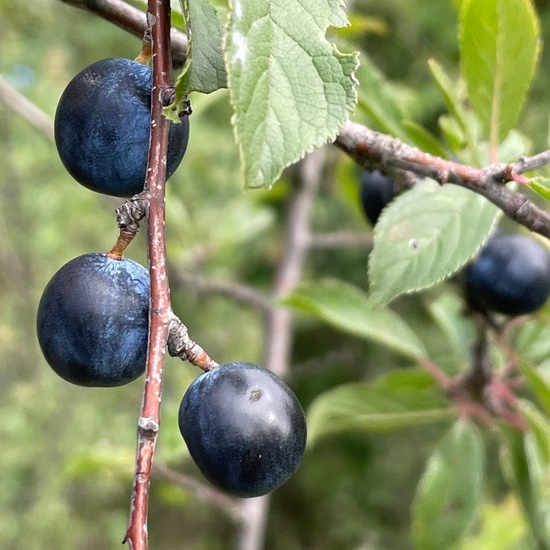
column 462, row 128
column 447, row 311
column 541, row 186
column 206, row 70
column 99, row 461
column 452, row 132
column 347, row 308
column 291, row 90
column 499, row 47
column 241, row 222
column 449, row 91
column 540, row 430
column 377, row 102
column 515, row 145
column 425, row 235
column 531, row 340
column 538, row 384
column 360, row 25
column 502, row 527
column 397, row 400
column 423, row 139
column 525, row 463
column 450, row 491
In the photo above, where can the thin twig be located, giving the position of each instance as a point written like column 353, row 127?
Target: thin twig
column 289, row 272
column 26, row 109
column 278, row 324
column 160, row 311
column 132, row 20
column 235, row 291
column 201, row 491
column 340, row 239
column 526, row 164
column 371, row 149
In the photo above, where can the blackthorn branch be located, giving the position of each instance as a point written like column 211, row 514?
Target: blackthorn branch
column 373, row 149
column 382, row 151
column 158, row 17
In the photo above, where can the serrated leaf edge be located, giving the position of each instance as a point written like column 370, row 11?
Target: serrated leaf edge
column 350, row 108
column 374, row 294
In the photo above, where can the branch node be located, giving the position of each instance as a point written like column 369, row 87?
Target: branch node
column 148, row 426
column 132, row 212
column 168, row 96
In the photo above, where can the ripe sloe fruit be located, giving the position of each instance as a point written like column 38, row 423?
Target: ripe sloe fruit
column 510, row 276
column 102, row 126
column 376, row 192
column 244, row 427
column 93, row 319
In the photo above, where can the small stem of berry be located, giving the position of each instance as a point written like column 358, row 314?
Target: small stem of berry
column 180, row 345
column 480, row 373
column 128, row 217
column 125, row 237
column 444, row 380
column 146, row 53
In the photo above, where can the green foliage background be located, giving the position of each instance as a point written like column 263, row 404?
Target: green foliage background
column 67, row 453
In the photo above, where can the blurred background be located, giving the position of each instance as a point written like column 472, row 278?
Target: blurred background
column 67, row 453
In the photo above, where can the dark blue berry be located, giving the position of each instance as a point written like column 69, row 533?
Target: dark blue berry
column 510, row 276
column 376, row 192
column 244, row 427
column 93, row 319
column 102, row 126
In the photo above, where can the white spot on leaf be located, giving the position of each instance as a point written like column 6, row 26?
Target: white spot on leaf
column 241, row 47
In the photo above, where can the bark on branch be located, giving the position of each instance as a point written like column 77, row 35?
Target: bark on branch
column 132, row 20
column 160, row 314
column 370, row 148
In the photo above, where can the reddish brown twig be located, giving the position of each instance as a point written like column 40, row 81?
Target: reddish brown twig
column 158, row 17
column 204, row 493
column 373, row 149
column 480, row 392
column 132, row 20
